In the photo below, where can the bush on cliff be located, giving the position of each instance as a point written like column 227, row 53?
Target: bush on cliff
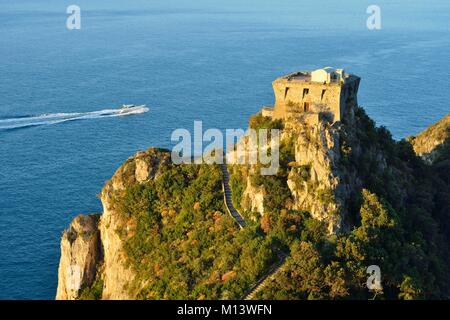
column 182, row 244
column 399, row 221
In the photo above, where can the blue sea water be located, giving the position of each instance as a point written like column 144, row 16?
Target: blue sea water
column 186, row 60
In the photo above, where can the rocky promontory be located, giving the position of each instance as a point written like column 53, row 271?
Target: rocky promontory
column 346, row 196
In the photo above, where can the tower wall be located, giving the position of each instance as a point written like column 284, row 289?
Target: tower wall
column 295, row 97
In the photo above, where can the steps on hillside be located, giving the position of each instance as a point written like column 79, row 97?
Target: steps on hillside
column 275, row 268
column 269, row 276
column 227, row 197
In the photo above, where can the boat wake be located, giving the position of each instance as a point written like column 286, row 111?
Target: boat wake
column 55, row 118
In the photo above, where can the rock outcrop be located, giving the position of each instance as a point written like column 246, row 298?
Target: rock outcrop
column 428, row 143
column 93, row 241
column 117, row 275
column 315, row 180
column 328, row 169
column 254, row 197
column 80, row 255
column 329, row 163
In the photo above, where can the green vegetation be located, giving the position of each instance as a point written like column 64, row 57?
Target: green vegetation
column 332, row 268
column 237, row 189
column 301, row 175
column 94, row 292
column 182, row 245
column 259, row 122
column 400, row 222
column 275, row 201
column 325, row 196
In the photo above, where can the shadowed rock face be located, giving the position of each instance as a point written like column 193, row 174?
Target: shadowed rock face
column 80, row 255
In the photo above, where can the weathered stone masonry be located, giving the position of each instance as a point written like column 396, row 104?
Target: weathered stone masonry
column 312, row 95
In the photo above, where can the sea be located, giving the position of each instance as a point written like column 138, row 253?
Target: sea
column 62, row 134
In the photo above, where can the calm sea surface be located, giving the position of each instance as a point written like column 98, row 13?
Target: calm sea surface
column 186, row 60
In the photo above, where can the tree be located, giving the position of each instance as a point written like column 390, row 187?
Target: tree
column 305, row 271
column 409, row 289
column 335, row 280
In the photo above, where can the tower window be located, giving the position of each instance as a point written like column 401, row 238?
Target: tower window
column 305, row 92
column 306, row 106
column 323, row 94
column 286, row 90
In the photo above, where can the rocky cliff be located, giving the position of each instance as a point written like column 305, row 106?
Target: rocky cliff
column 163, row 233
column 81, row 253
column 315, row 180
column 324, row 166
column 92, row 242
column 142, row 167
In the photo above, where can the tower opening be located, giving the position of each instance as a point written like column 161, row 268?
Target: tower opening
column 306, row 106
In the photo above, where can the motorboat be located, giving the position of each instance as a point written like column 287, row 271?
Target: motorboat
column 131, row 108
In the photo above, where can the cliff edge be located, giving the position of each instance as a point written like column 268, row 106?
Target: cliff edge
column 81, row 253
column 346, row 196
column 431, row 143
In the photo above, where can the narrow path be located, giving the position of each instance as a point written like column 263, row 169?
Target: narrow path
column 227, row 197
column 266, row 278
column 276, row 267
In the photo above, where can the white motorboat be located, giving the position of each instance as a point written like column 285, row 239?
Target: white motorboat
column 131, row 108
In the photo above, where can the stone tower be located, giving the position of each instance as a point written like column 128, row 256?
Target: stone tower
column 322, row 93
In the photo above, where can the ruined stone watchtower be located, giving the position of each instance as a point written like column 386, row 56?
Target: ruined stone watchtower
column 326, row 92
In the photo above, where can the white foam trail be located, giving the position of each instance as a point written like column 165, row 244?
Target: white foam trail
column 55, row 118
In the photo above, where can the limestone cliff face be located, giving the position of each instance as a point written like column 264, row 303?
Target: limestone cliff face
column 117, row 275
column 328, row 170
column 316, row 181
column 253, row 197
column 81, row 243
column 80, row 255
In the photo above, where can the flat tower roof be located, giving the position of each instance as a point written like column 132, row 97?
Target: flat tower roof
column 305, row 76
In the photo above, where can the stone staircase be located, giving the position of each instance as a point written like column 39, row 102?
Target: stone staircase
column 276, row 267
column 227, row 197
column 267, row 278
